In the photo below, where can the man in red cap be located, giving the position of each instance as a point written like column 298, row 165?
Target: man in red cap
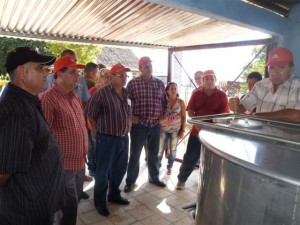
column 63, row 111
column 110, row 113
column 149, row 105
column 276, row 97
column 206, row 101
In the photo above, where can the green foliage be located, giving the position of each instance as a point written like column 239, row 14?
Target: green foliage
column 84, row 53
column 258, row 65
column 9, row 44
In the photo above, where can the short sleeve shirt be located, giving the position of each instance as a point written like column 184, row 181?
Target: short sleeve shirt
column 263, row 97
column 31, row 154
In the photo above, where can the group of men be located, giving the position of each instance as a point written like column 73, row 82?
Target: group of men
column 43, row 140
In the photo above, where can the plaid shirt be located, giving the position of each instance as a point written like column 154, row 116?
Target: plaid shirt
column 148, row 100
column 109, row 111
column 64, row 115
column 264, row 99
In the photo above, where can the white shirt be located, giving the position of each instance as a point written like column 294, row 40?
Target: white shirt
column 262, row 96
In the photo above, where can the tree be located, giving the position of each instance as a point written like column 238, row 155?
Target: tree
column 9, row 44
column 84, row 53
column 258, row 65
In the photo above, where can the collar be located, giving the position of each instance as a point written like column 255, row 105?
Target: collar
column 24, row 94
column 71, row 94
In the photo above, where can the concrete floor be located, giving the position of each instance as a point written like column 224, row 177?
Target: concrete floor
column 149, row 204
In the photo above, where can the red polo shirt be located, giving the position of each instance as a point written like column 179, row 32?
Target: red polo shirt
column 204, row 105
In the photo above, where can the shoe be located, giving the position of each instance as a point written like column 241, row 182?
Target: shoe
column 180, row 185
column 103, row 210
column 119, row 200
column 169, row 171
column 88, row 178
column 128, row 187
column 84, row 195
column 158, row 183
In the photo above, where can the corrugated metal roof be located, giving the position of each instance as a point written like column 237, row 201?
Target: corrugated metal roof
column 134, row 22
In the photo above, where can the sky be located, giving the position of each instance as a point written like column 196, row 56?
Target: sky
column 227, row 63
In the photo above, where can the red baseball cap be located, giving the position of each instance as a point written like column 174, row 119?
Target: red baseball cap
column 279, row 57
column 144, row 60
column 118, row 68
column 208, row 73
column 66, row 61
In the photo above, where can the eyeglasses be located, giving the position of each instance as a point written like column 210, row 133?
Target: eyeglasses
column 121, row 75
column 147, row 67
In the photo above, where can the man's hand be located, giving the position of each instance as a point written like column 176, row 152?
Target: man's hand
column 135, row 119
column 235, row 106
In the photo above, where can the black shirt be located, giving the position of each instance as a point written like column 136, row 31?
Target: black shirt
column 31, row 154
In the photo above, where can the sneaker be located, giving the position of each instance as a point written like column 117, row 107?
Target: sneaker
column 180, row 185
column 169, row 171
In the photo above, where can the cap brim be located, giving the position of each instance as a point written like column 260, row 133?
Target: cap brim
column 78, row 66
column 44, row 59
column 124, row 69
column 276, row 64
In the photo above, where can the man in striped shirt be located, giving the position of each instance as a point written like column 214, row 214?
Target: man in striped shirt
column 149, row 105
column 64, row 114
column 110, row 113
column 276, row 97
column 31, row 173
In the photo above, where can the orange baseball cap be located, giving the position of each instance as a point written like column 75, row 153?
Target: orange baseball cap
column 144, row 60
column 208, row 73
column 279, row 57
column 66, row 61
column 118, row 68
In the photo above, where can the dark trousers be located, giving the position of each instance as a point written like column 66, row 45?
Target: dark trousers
column 74, row 187
column 190, row 159
column 91, row 153
column 111, row 161
column 139, row 135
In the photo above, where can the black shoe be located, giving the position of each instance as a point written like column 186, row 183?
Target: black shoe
column 158, row 183
column 119, row 200
column 128, row 187
column 102, row 209
column 84, row 195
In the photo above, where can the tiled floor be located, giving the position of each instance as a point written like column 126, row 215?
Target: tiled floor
column 148, row 204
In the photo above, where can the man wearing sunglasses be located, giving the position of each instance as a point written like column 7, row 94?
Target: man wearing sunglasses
column 110, row 114
column 149, row 105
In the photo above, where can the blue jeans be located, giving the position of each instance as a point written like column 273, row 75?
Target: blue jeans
column 190, row 159
column 139, row 135
column 111, row 164
column 164, row 139
column 91, row 153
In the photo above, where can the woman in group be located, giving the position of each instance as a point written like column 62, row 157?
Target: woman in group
column 173, row 126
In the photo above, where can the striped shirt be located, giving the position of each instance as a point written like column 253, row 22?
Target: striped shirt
column 262, row 96
column 149, row 100
column 30, row 153
column 111, row 114
column 64, row 114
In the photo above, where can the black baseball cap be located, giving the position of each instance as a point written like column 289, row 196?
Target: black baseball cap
column 22, row 55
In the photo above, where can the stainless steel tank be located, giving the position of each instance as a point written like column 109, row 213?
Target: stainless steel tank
column 248, row 176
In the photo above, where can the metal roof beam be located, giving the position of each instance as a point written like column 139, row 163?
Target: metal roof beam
column 232, row 11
